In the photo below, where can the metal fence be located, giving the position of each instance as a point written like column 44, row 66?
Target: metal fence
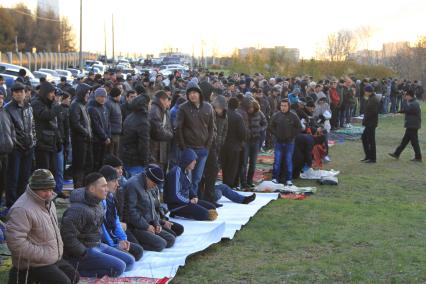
column 49, row 60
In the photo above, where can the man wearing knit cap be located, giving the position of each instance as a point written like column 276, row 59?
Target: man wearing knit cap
column 33, row 236
column 115, row 119
column 370, row 121
column 113, row 233
column 140, row 213
column 101, row 126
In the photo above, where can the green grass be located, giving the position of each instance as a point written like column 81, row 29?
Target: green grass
column 369, row 229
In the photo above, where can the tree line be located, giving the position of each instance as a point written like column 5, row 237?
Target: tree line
column 22, row 30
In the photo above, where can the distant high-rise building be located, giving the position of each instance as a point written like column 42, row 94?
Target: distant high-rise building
column 45, row 6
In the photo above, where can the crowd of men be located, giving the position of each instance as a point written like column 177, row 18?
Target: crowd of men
column 141, row 146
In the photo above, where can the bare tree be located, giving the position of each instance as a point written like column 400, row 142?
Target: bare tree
column 340, row 45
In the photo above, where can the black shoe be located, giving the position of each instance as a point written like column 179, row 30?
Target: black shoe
column 217, row 205
column 62, row 195
column 249, row 199
column 364, row 160
column 393, row 155
column 370, row 161
column 251, row 186
column 416, row 160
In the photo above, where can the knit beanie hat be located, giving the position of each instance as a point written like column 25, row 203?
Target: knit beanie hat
column 91, row 178
column 100, row 92
column 368, row 88
column 42, row 179
column 155, row 173
column 108, row 172
column 113, row 161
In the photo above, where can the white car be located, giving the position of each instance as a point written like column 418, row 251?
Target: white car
column 39, row 75
column 55, row 75
column 67, row 74
column 12, row 69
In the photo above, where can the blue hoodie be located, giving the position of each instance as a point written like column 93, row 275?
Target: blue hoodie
column 178, row 187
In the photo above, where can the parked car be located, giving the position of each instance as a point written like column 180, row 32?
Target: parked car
column 74, row 72
column 13, row 70
column 55, row 75
column 39, row 74
column 67, row 74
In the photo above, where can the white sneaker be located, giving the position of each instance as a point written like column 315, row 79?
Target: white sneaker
column 288, row 183
column 327, row 159
column 274, row 181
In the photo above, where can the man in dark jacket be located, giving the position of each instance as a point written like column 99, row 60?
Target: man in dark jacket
column 370, row 121
column 100, row 125
column 81, row 233
column 81, row 135
column 140, row 212
column 195, row 129
column 7, row 139
column 125, row 108
column 21, row 158
column 285, row 125
column 412, row 124
column 115, row 120
column 134, row 145
column 231, row 150
column 161, row 129
column 46, row 111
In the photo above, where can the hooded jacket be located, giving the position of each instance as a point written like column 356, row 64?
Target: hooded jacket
column 81, row 223
column 221, row 122
column 257, row 123
column 46, row 121
column 135, row 142
column 139, row 205
column 178, row 187
column 32, row 232
column 7, row 130
column 99, row 118
column 161, row 131
column 79, row 116
column 195, row 125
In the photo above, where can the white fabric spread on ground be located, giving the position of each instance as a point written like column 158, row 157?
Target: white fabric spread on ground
column 198, row 236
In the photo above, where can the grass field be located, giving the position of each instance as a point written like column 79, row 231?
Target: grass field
column 369, row 229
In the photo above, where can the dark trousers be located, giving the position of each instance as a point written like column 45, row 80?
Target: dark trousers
column 82, row 161
column 251, row 149
column 230, row 166
column 136, row 250
column 45, row 160
column 98, row 155
column 176, row 230
column 334, row 121
column 369, row 142
column 199, row 211
column 18, row 172
column 3, row 174
column 59, row 273
column 211, row 169
column 154, row 242
column 112, row 148
column 411, row 135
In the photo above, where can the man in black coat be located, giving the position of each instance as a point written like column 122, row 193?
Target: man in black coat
column 370, row 122
column 46, row 111
column 21, row 158
column 115, row 120
column 81, row 136
column 101, row 127
column 412, row 124
column 135, row 142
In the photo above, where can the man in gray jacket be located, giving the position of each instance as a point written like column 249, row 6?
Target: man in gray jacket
column 7, row 139
column 412, row 124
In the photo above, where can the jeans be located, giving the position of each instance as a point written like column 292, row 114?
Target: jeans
column 385, row 104
column 411, row 135
column 154, row 242
column 199, row 211
column 251, row 149
column 3, row 174
column 283, row 150
column 59, row 173
column 393, row 108
column 103, row 260
column 349, row 113
column 369, row 142
column 18, row 173
column 224, row 190
column 197, row 172
column 132, row 171
column 59, row 273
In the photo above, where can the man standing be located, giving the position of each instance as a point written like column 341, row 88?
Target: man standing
column 412, row 124
column 7, row 139
column 46, row 111
column 81, row 136
column 285, row 125
column 21, row 158
column 33, row 236
column 195, row 129
column 115, row 120
column 100, row 125
column 370, row 121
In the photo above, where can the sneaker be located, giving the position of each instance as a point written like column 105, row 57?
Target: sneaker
column 275, row 181
column 289, row 183
column 416, row 160
column 364, row 160
column 393, row 155
column 327, row 159
column 249, row 199
column 370, row 161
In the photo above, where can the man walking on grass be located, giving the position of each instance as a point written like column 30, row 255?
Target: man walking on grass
column 370, row 122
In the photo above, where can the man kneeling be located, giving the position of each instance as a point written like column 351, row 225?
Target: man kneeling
column 81, row 232
column 33, row 236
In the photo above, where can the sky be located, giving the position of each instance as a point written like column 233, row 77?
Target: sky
column 146, row 27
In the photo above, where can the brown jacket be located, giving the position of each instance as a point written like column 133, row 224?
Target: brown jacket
column 32, row 232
